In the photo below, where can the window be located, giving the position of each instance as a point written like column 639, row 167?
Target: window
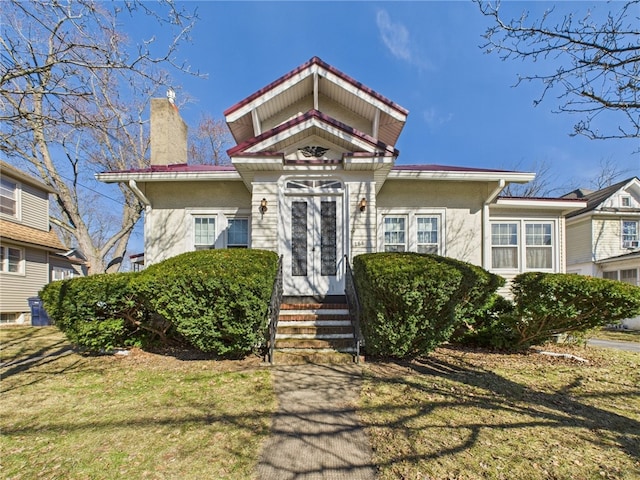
column 60, row 273
column 10, row 259
column 629, row 276
column 204, row 233
column 630, row 234
column 539, row 246
column 625, row 201
column 395, row 229
column 8, row 197
column 613, row 275
column 504, row 245
column 427, row 231
column 237, row 233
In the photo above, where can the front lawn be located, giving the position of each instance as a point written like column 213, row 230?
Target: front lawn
column 464, row 414
column 69, row 416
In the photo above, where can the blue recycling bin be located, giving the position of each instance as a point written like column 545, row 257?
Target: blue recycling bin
column 39, row 317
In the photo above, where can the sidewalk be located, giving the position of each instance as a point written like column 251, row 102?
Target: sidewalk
column 315, row 432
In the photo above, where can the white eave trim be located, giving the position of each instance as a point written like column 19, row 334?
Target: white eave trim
column 565, row 205
column 167, row 177
column 509, row 177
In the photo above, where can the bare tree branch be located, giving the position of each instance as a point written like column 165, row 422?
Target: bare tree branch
column 599, row 73
column 73, row 93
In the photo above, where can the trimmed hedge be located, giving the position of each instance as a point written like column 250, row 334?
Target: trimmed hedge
column 217, row 300
column 547, row 304
column 411, row 303
column 213, row 300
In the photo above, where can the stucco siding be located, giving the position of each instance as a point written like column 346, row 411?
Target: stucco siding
column 462, row 205
column 17, row 288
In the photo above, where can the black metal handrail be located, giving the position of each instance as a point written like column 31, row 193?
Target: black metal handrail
column 351, row 292
column 274, row 312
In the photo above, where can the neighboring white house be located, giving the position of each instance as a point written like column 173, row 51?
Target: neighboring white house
column 314, row 178
column 31, row 254
column 604, row 237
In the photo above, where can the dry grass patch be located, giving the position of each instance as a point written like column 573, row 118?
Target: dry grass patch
column 138, row 416
column 462, row 414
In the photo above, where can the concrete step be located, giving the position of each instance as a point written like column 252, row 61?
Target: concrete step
column 338, row 344
column 315, row 330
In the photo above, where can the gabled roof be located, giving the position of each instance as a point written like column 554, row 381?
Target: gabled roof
column 11, row 171
column 315, row 81
column 47, row 240
column 287, row 133
column 595, row 199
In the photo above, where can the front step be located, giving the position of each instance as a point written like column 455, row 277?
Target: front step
column 314, row 331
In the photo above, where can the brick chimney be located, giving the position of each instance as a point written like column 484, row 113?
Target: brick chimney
column 168, row 133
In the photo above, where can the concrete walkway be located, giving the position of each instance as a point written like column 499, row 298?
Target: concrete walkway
column 628, row 346
column 315, row 432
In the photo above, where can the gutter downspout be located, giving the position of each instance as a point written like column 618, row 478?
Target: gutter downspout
column 138, row 193
column 486, row 227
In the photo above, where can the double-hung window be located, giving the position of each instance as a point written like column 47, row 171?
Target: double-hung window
column 539, row 247
column 60, row 273
column 11, row 259
column 629, row 276
column 8, row 197
column 204, row 232
column 427, row 234
column 395, row 233
column 504, row 245
column 630, row 237
column 237, row 233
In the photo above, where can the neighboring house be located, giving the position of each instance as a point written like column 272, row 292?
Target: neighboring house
column 314, row 178
column 604, row 237
column 31, row 254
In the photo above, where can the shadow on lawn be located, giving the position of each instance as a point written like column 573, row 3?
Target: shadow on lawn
column 498, row 395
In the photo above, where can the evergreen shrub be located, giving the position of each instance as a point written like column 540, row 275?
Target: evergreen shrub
column 411, row 303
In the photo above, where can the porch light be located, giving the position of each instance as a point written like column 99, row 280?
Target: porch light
column 363, row 204
column 263, row 206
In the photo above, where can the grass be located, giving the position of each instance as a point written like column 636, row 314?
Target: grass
column 68, row 416
column 464, row 414
column 618, row 335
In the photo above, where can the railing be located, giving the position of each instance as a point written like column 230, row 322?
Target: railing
column 274, row 312
column 354, row 308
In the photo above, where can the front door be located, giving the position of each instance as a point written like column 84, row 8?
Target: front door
column 313, row 250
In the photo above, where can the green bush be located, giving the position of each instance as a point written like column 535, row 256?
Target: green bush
column 411, row 303
column 216, row 299
column 546, row 304
column 96, row 313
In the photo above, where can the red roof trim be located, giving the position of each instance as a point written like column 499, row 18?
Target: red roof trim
column 302, row 118
column 301, row 68
column 447, row 168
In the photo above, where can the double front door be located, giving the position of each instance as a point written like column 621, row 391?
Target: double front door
column 313, row 246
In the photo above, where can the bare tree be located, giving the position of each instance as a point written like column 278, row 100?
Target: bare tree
column 595, row 64
column 541, row 186
column 210, row 141
column 72, row 96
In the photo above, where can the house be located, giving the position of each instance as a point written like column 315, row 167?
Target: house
column 604, row 236
column 31, row 254
column 315, row 177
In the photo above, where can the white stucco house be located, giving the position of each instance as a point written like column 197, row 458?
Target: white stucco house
column 604, row 236
column 314, row 177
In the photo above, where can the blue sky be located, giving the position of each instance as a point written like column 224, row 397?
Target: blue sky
column 425, row 56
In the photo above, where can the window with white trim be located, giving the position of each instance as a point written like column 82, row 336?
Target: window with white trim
column 204, row 232
column 625, row 201
column 395, row 233
column 629, row 276
column 60, row 273
column 504, row 245
column 630, row 237
column 237, row 232
column 612, row 275
column 8, row 197
column 427, row 228
column 11, row 259
column 539, row 247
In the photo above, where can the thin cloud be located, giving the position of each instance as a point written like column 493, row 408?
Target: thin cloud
column 435, row 119
column 396, row 38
